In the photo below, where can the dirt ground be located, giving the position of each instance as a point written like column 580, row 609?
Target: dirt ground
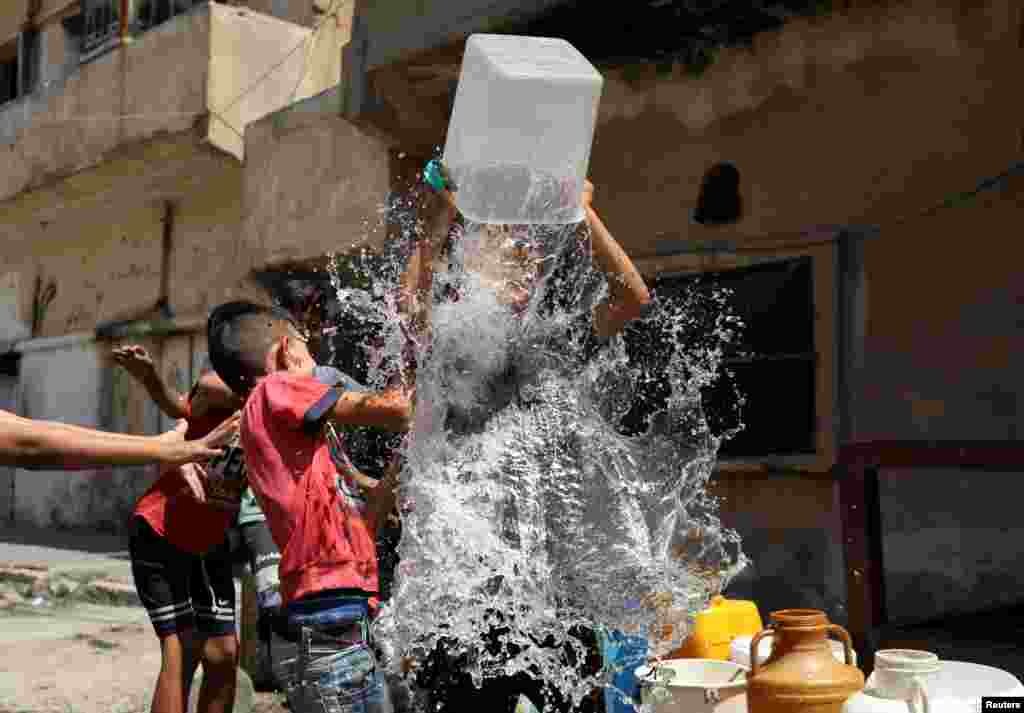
column 84, row 660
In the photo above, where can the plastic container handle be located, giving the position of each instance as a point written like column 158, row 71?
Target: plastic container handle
column 770, row 631
column 847, row 642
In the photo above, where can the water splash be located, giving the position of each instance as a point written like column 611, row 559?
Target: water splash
column 536, row 503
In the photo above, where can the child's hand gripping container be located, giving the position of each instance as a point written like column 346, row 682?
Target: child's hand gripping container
column 521, row 130
column 715, row 628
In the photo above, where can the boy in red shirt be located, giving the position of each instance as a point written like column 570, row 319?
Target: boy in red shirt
column 180, row 562
column 322, row 524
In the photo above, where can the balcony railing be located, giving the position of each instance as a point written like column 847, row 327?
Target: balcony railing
column 102, row 20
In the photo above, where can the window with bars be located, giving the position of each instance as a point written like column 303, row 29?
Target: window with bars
column 773, row 366
column 102, row 20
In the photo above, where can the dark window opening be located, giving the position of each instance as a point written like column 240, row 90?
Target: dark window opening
column 28, row 61
column 773, row 365
column 9, row 72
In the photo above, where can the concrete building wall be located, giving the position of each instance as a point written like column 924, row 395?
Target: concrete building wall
column 105, row 266
column 12, row 17
column 314, row 184
column 207, row 256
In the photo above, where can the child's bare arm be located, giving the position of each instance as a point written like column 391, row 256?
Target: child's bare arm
column 436, row 213
column 137, row 362
column 212, row 393
column 390, row 409
column 628, row 294
column 42, row 444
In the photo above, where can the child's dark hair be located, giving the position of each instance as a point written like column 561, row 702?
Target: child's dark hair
column 239, row 334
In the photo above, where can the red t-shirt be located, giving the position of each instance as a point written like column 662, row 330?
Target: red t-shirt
column 173, row 513
column 323, row 532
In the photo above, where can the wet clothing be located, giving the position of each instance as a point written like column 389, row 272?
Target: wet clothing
column 527, row 388
column 181, row 590
column 336, row 667
column 312, row 506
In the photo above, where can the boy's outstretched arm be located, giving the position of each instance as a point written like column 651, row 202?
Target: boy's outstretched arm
column 390, row 409
column 46, row 444
column 437, row 211
column 137, row 362
column 628, row 294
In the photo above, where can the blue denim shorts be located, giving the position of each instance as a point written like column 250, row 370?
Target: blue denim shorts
column 335, row 670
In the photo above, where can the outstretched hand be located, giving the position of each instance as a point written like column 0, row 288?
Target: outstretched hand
column 135, row 360
column 222, row 435
column 201, row 449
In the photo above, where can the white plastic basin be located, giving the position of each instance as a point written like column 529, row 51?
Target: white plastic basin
column 694, row 685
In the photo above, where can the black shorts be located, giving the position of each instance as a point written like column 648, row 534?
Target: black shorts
column 180, row 590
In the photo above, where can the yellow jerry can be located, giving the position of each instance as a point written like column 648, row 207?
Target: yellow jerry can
column 715, row 628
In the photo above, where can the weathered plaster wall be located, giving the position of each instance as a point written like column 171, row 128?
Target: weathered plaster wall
column 207, row 257
column 942, row 335
column 104, row 269
column 13, row 14
column 314, row 183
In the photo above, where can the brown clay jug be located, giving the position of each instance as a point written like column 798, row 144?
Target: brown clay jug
column 801, row 675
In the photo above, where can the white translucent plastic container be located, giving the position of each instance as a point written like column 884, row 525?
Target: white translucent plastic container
column 519, row 139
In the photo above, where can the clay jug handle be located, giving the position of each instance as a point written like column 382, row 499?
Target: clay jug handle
column 847, row 642
column 770, row 631
column 917, row 690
